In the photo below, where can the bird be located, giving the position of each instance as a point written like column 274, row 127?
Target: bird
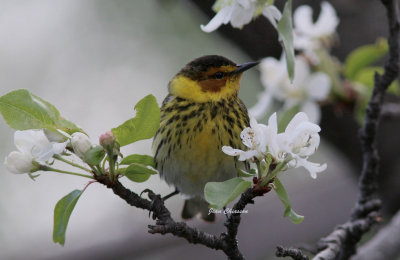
column 201, row 113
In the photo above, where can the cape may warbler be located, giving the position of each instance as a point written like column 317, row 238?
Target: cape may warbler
column 201, row 113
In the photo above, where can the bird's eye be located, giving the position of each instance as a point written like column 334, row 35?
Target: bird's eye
column 219, row 75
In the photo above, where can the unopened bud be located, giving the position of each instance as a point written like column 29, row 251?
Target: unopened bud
column 107, row 139
column 19, row 162
column 81, row 144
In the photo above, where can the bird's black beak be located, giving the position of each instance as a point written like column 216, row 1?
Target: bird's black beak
column 245, row 66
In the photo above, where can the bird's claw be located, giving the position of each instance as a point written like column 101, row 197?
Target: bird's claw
column 152, row 196
column 148, row 191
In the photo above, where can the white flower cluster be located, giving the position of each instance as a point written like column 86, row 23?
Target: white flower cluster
column 309, row 36
column 240, row 13
column 308, row 87
column 305, row 91
column 292, row 147
column 37, row 147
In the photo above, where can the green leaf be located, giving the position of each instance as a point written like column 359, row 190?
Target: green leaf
column 243, row 173
column 285, row 30
column 364, row 56
column 284, row 197
column 22, row 110
column 138, row 172
column 62, row 213
column 286, row 116
column 219, row 194
column 95, row 155
column 143, row 126
column 139, row 158
column 366, row 76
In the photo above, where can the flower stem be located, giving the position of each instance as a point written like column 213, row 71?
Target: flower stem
column 60, row 158
column 275, row 172
column 259, row 169
column 47, row 168
column 96, row 170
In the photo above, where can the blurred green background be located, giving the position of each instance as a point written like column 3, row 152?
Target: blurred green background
column 94, row 60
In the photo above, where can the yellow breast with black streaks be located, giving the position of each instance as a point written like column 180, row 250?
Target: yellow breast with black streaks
column 188, row 145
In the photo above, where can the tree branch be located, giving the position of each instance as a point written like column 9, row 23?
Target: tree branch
column 165, row 224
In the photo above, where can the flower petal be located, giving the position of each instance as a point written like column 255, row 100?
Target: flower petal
column 19, row 162
column 318, row 86
column 272, row 138
column 302, row 72
column 231, row 151
column 24, row 140
column 222, row 17
column 241, row 15
column 262, row 105
column 247, row 136
column 327, row 21
column 302, row 19
column 273, row 73
column 261, row 137
column 300, row 41
column 296, row 120
column 312, row 110
column 312, row 168
column 245, row 155
column 59, row 147
column 272, row 14
column 35, row 143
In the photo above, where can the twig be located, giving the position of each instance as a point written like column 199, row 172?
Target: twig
column 233, row 221
column 292, row 252
column 369, row 174
column 384, row 245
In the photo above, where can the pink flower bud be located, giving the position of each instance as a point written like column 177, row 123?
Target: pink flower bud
column 107, row 139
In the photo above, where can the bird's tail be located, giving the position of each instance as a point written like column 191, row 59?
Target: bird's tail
column 193, row 206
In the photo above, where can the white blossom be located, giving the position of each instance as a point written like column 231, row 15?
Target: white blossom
column 292, row 147
column 299, row 141
column 33, row 146
column 308, row 36
column 255, row 138
column 35, row 143
column 19, row 162
column 240, row 13
column 81, row 144
column 307, row 88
